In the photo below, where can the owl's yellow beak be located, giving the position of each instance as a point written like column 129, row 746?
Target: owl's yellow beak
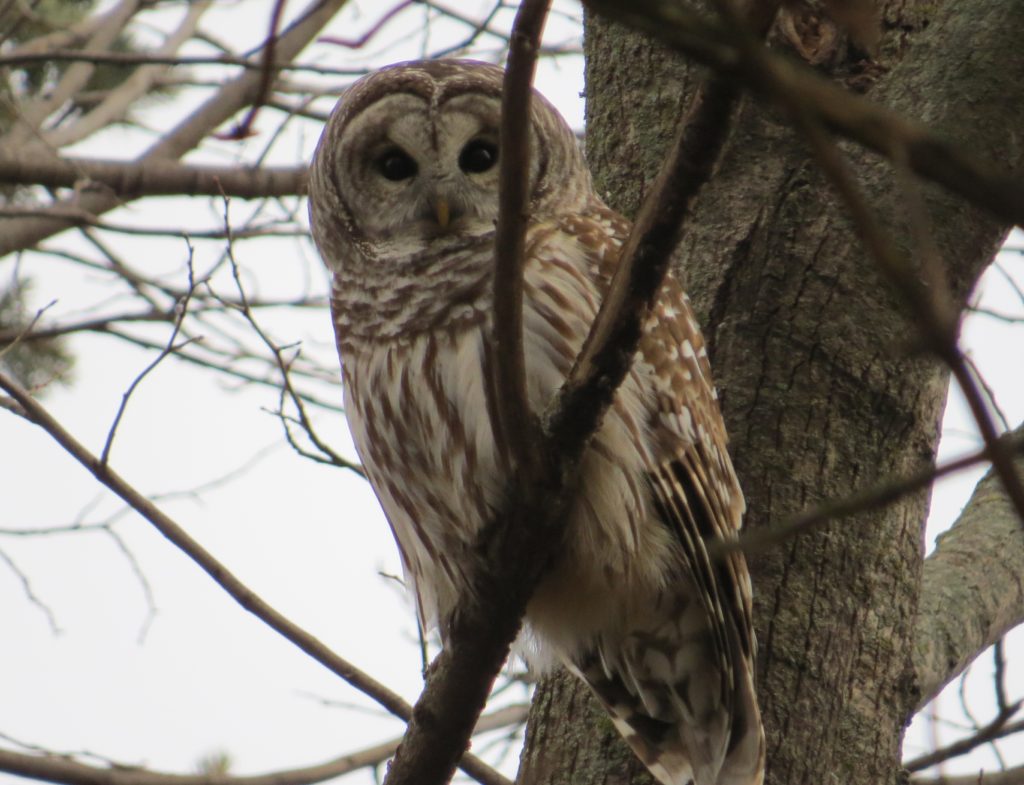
column 442, row 211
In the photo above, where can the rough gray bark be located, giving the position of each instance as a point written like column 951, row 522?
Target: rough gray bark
column 822, row 389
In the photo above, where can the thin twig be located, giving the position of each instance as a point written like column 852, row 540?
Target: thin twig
column 244, row 129
column 106, row 528
column 29, row 592
column 1014, row 776
column 477, row 28
column 242, row 376
column 1002, row 460
column 989, row 313
column 1009, row 278
column 990, row 395
column 76, row 217
column 140, row 576
column 329, row 455
column 872, row 498
column 999, row 675
column 10, row 339
column 171, row 347
column 102, row 57
column 963, row 746
column 361, row 41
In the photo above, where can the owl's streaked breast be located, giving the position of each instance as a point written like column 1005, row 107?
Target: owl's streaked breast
column 421, row 418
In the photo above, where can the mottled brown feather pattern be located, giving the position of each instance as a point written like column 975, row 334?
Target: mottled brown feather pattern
column 635, row 606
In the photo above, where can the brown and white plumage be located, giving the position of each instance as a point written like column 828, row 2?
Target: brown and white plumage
column 403, row 199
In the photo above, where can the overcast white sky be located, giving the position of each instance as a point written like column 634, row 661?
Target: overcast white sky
column 206, row 676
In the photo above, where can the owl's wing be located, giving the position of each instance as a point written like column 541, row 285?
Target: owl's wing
column 696, row 495
column 695, row 485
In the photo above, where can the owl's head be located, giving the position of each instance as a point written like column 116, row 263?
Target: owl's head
column 408, row 162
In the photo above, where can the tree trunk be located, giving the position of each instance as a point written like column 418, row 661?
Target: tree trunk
column 823, row 388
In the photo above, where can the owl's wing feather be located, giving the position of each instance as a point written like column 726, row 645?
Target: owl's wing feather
column 683, row 695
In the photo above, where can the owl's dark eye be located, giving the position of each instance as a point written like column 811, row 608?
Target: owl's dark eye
column 395, row 164
column 478, row 156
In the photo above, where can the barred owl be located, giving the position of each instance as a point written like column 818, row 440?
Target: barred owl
column 403, row 201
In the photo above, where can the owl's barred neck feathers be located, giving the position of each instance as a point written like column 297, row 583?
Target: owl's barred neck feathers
column 403, row 199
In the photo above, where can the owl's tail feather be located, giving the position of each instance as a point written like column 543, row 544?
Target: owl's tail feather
column 658, row 744
column 686, row 731
column 745, row 757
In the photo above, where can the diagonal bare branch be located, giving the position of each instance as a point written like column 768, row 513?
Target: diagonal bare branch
column 998, row 726
column 238, row 591
column 608, row 351
column 26, row 130
column 117, row 102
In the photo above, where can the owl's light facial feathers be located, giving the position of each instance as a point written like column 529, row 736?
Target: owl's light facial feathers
column 426, row 163
column 411, row 155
